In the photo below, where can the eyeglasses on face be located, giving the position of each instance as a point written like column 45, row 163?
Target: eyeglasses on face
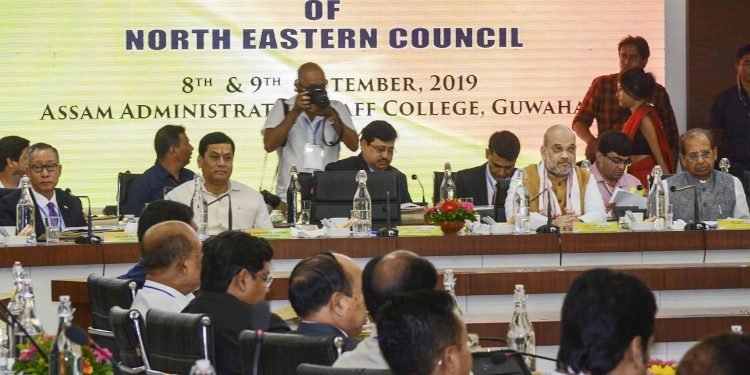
column 51, row 168
column 704, row 154
column 618, row 161
column 383, row 149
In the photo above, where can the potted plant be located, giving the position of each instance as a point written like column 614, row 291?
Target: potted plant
column 450, row 215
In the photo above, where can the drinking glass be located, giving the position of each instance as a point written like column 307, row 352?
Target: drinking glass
column 52, row 229
column 304, row 213
column 362, row 223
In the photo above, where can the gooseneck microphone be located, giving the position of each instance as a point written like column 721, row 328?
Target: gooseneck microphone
column 388, row 231
column 89, row 238
column 549, row 227
column 423, row 202
column 77, row 335
column 696, row 224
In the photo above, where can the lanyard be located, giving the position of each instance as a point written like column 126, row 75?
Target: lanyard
column 491, row 181
column 313, row 130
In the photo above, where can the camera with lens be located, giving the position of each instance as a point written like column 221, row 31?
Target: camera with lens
column 318, row 96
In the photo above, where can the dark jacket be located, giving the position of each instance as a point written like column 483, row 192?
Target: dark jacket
column 320, row 329
column 229, row 316
column 68, row 205
column 355, row 163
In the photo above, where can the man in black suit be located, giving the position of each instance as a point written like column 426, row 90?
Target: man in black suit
column 377, row 141
column 480, row 182
column 326, row 292
column 44, row 173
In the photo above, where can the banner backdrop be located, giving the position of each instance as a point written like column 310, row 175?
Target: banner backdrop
column 96, row 79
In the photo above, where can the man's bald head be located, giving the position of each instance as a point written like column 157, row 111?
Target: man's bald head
column 394, row 274
column 307, row 68
column 167, row 242
column 558, row 132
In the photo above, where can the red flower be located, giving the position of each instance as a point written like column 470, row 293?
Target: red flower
column 449, row 206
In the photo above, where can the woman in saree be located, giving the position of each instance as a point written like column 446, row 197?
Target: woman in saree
column 644, row 126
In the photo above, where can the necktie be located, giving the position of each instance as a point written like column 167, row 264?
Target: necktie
column 53, row 212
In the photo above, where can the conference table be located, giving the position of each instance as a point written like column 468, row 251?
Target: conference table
column 487, row 267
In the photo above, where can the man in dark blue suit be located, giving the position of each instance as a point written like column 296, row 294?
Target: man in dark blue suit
column 480, row 182
column 326, row 292
column 44, row 173
column 377, row 142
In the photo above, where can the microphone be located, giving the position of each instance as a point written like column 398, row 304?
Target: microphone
column 504, row 355
column 549, row 227
column 388, row 231
column 15, row 323
column 696, row 224
column 77, row 335
column 423, row 202
column 89, row 238
column 538, row 195
column 258, row 343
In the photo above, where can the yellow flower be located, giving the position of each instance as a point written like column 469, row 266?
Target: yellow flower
column 87, row 369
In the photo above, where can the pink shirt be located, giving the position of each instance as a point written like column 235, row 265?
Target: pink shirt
column 625, row 182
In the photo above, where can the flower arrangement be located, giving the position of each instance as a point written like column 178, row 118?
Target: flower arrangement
column 30, row 361
column 450, row 211
column 660, row 367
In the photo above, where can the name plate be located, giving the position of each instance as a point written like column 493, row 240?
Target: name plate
column 610, row 226
column 271, row 233
column 418, row 230
column 119, row 237
column 732, row 224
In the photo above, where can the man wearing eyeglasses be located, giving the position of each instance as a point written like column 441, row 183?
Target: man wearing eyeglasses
column 235, row 278
column 612, row 157
column 378, row 147
column 44, row 173
column 231, row 204
column 720, row 194
column 557, row 187
column 304, row 134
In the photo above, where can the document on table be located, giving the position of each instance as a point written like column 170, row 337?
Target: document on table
column 626, row 198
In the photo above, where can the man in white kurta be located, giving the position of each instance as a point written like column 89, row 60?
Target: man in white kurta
column 231, row 204
column 572, row 193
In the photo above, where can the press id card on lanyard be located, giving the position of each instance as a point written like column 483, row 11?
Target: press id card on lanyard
column 313, row 155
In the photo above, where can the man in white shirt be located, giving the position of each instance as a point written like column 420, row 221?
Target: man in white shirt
column 231, row 205
column 571, row 194
column 13, row 160
column 305, row 131
column 172, row 259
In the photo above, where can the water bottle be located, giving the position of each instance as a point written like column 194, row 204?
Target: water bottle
column 63, row 358
column 200, row 206
column 521, row 205
column 521, row 336
column 449, row 283
column 292, row 196
column 586, row 165
column 27, row 317
column 202, row 367
column 25, row 212
column 447, row 187
column 657, row 206
column 724, row 165
column 362, row 207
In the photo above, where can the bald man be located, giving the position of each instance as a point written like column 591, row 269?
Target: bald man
column 171, row 255
column 303, row 134
column 384, row 278
column 326, row 293
column 573, row 195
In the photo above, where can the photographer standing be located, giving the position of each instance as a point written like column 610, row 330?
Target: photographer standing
column 306, row 130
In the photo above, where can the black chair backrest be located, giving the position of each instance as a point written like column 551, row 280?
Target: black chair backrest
column 333, row 193
column 309, row 369
column 305, row 185
column 281, row 353
column 437, row 180
column 746, row 182
column 128, row 327
column 124, row 182
column 104, row 293
column 174, row 341
column 497, row 362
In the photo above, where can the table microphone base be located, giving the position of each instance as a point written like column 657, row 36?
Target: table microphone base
column 696, row 226
column 548, row 228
